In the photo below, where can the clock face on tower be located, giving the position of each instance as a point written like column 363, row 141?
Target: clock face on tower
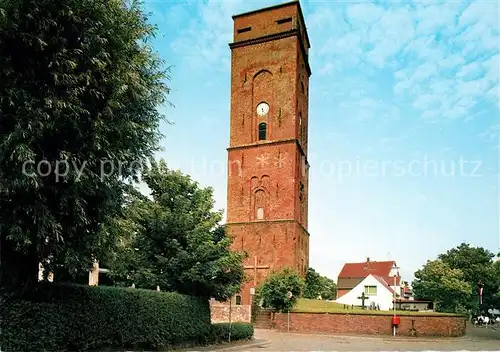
column 262, row 109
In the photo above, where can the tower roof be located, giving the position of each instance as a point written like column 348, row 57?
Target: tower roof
column 278, row 7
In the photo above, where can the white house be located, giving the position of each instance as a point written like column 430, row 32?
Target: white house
column 376, row 290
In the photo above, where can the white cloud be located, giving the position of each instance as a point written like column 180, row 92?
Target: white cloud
column 491, row 134
column 204, row 41
column 389, row 35
column 480, row 11
column 471, row 70
column 369, row 103
column 494, row 94
column 425, row 101
column 492, row 67
column 326, row 69
column 432, row 47
column 390, row 142
column 436, row 16
column 363, row 14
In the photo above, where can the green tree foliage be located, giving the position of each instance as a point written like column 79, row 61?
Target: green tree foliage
column 79, row 91
column 274, row 289
column 446, row 286
column 329, row 290
column 496, row 275
column 174, row 240
column 319, row 286
column 476, row 264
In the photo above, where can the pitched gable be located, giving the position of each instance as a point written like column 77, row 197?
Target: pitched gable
column 384, row 283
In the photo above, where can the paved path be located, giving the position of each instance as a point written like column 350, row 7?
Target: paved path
column 477, row 339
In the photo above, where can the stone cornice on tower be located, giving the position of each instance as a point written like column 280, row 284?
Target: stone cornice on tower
column 275, row 36
column 272, row 142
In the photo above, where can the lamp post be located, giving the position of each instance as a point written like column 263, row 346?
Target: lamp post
column 394, row 273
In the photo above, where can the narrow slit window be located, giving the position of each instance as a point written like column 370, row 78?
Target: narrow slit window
column 260, row 214
column 243, row 30
column 238, row 300
column 262, row 131
column 284, row 20
column 300, row 127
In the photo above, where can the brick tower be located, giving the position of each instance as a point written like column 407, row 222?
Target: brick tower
column 267, row 156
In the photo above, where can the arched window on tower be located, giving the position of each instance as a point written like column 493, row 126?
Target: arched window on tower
column 259, row 204
column 262, row 131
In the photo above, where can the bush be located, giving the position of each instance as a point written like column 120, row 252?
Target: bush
column 239, row 331
column 57, row 317
column 276, row 286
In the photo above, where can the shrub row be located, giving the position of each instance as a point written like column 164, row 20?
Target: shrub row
column 239, row 331
column 57, row 317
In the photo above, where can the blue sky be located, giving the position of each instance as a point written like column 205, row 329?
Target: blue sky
column 404, row 121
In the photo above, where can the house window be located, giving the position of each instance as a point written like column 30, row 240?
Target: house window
column 371, row 290
column 262, row 131
column 238, row 300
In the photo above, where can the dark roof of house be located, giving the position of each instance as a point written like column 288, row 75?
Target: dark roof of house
column 366, row 268
column 361, row 270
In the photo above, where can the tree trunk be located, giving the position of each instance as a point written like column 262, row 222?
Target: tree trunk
column 19, row 270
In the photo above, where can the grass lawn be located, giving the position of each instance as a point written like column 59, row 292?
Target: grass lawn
column 319, row 306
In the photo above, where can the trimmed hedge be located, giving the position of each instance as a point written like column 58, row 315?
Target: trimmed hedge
column 239, row 331
column 57, row 317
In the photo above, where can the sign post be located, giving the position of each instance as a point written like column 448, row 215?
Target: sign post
column 480, row 287
column 289, row 295
column 230, row 313
column 252, row 295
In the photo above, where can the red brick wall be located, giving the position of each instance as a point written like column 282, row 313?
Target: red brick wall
column 273, row 70
column 220, row 313
column 276, row 244
column 277, row 85
column 276, row 180
column 364, row 324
